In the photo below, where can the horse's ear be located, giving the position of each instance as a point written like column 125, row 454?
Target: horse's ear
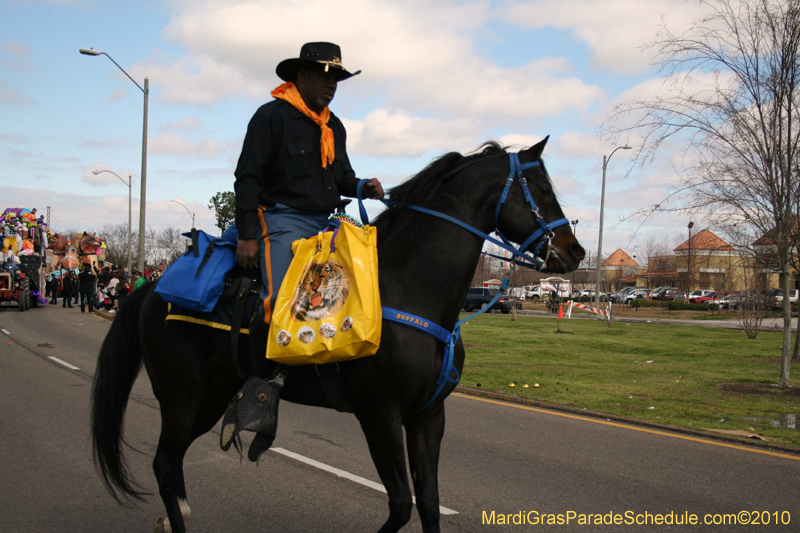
column 534, row 152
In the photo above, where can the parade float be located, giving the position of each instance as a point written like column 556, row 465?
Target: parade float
column 25, row 240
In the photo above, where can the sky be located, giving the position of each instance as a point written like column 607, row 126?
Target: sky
column 437, row 76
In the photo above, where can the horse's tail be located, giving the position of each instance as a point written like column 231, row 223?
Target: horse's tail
column 118, row 365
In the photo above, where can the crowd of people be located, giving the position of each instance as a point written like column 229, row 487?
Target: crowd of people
column 92, row 288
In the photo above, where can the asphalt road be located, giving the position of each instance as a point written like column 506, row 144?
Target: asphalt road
column 517, row 462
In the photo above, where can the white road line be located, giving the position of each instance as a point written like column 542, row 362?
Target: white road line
column 346, row 475
column 6, row 332
column 59, row 361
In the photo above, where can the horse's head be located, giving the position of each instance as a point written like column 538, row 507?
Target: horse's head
column 518, row 220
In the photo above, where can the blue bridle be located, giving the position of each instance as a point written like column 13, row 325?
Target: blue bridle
column 449, row 374
column 544, row 234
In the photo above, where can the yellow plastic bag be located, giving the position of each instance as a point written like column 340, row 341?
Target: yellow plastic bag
column 328, row 307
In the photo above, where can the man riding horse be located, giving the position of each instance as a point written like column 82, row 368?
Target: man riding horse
column 291, row 174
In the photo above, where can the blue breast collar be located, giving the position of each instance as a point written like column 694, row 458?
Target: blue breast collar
column 449, row 373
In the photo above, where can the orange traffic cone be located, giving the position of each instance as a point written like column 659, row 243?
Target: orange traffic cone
column 560, row 311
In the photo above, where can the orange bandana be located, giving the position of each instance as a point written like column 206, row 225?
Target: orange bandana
column 289, row 93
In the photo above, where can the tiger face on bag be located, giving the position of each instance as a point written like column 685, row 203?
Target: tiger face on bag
column 328, row 307
column 322, row 291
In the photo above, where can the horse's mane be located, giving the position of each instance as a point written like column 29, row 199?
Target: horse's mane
column 429, row 180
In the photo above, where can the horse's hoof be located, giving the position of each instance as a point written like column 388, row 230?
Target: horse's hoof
column 162, row 526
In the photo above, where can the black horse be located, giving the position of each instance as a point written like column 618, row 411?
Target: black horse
column 426, row 266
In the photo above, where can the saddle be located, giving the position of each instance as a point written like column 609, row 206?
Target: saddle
column 255, row 407
column 233, row 312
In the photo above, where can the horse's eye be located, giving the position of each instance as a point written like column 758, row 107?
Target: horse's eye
column 544, row 188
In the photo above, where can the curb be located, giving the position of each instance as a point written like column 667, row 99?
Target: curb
column 105, row 314
column 594, row 414
column 626, row 420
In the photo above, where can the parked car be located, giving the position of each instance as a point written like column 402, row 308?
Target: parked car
column 587, row 292
column 658, row 293
column 716, row 295
column 479, row 298
column 512, row 301
column 672, row 294
column 775, row 297
column 756, row 302
column 736, row 301
column 724, row 300
column 622, row 295
column 618, row 296
column 536, row 292
column 699, row 293
column 638, row 293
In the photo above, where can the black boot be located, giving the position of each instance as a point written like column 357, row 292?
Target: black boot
column 254, row 408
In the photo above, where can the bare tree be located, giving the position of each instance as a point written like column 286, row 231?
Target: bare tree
column 652, row 248
column 116, row 238
column 731, row 94
column 754, row 305
column 171, row 245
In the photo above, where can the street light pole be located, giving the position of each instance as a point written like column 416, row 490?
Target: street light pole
column 689, row 263
column 600, row 233
column 128, row 183
column 142, row 200
column 574, row 234
column 187, row 210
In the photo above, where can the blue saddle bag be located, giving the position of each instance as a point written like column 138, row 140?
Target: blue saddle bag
column 197, row 278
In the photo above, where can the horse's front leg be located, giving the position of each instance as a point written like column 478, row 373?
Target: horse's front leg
column 385, row 440
column 424, row 437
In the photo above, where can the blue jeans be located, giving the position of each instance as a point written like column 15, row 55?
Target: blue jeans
column 280, row 227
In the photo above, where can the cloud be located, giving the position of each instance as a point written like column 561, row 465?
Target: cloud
column 516, row 141
column 117, row 95
column 383, row 133
column 427, row 61
column 573, row 145
column 11, row 95
column 198, row 80
column 614, row 30
column 186, row 123
column 16, row 48
column 16, row 56
column 84, row 212
column 174, row 144
column 103, row 143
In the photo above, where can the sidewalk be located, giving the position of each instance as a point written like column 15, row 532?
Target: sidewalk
column 768, row 324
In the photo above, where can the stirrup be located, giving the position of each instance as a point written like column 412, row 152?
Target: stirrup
column 254, row 408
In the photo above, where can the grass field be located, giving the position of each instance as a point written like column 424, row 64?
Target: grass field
column 686, row 376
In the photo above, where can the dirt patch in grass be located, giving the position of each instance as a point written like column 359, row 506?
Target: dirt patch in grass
column 758, row 389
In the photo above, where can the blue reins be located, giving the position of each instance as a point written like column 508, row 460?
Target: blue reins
column 449, row 374
column 544, row 233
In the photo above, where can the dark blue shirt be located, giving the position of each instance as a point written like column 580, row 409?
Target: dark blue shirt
column 281, row 163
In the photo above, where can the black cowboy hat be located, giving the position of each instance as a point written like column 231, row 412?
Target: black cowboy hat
column 324, row 56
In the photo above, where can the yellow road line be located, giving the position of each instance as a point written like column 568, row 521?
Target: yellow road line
column 628, row 426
